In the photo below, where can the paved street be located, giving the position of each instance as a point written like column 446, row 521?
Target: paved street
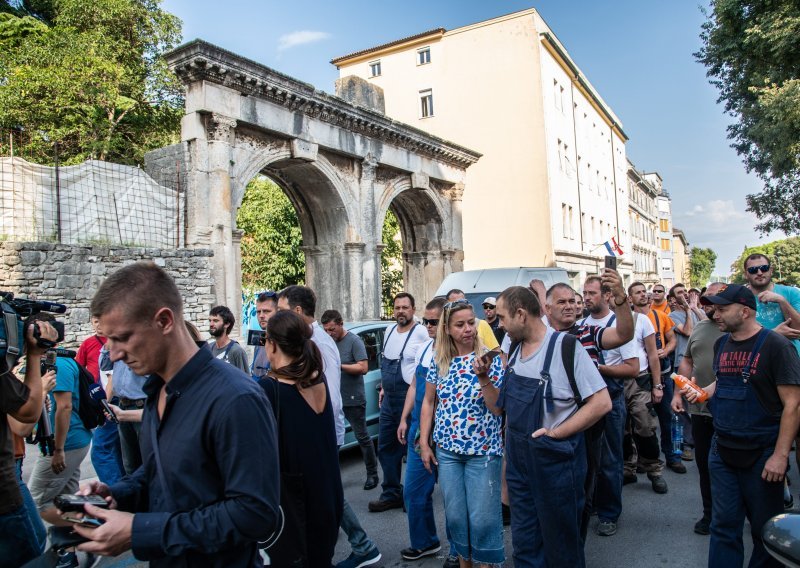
column 655, row 530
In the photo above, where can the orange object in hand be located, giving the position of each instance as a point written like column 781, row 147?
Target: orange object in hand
column 682, row 381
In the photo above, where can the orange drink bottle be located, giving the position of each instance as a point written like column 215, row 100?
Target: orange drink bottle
column 682, row 381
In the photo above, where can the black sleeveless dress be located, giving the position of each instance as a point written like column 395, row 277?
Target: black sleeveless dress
column 310, row 459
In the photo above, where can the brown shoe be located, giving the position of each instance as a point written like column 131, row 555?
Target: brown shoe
column 381, row 505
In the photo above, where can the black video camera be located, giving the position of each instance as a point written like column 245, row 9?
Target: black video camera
column 13, row 312
column 257, row 337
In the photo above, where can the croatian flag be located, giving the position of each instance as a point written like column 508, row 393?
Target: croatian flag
column 613, row 248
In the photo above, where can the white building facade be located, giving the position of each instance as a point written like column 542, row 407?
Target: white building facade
column 644, row 226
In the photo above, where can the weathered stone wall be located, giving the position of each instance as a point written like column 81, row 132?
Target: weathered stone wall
column 71, row 274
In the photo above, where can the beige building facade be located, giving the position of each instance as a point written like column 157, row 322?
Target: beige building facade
column 551, row 185
column 681, row 256
column 643, row 213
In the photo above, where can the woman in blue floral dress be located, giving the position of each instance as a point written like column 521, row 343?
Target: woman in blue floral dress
column 463, row 381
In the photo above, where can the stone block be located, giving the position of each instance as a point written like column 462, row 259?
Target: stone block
column 12, row 260
column 361, row 92
column 420, row 181
column 65, row 281
column 304, row 150
column 32, row 257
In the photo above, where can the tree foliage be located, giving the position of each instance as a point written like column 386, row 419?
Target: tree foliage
column 784, row 255
column 391, row 262
column 271, row 255
column 88, row 74
column 752, row 55
column 701, row 266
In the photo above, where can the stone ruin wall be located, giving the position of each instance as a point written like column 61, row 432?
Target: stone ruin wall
column 71, row 274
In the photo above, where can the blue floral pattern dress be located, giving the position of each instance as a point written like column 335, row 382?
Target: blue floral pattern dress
column 463, row 424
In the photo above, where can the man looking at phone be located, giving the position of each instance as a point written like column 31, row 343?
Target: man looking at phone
column 208, row 489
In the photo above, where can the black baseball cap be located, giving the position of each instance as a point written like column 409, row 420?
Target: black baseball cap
column 731, row 294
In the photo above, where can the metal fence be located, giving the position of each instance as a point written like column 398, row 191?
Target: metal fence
column 94, row 202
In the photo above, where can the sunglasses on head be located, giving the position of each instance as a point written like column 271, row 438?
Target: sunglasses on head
column 757, row 269
column 454, row 303
column 431, row 322
column 488, row 306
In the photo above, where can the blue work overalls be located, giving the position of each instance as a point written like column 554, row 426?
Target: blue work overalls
column 390, row 450
column 545, row 476
column 739, row 492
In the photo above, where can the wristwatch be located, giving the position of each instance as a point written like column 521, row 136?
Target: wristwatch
column 659, row 386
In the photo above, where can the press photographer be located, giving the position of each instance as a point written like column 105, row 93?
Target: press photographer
column 21, row 401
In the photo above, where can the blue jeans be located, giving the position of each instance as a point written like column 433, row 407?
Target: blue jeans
column 390, row 450
column 608, row 490
column 418, row 496
column 18, row 544
column 107, row 454
column 39, row 534
column 736, row 494
column 664, row 411
column 359, row 541
column 471, row 489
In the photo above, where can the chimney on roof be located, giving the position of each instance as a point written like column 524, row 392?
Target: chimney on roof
column 361, row 92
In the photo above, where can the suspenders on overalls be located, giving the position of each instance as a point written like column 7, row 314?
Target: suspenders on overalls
column 391, row 369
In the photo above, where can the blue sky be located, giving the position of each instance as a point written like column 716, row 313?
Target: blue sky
column 637, row 54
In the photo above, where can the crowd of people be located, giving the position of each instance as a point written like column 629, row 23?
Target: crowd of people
column 534, row 417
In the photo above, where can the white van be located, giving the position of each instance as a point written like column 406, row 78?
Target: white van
column 480, row 284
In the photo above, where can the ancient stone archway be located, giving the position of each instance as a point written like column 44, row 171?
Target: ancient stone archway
column 341, row 165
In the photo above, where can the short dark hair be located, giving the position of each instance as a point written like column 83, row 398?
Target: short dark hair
column 140, row 289
column 454, row 291
column 302, row 296
column 634, row 285
column 754, row 256
column 436, row 304
column 558, row 286
column 603, row 288
column 664, row 288
column 404, row 295
column 331, row 316
column 517, row 297
column 267, row 297
column 227, row 317
column 672, row 290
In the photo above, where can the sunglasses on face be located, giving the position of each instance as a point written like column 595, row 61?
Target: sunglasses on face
column 658, row 291
column 488, row 307
column 757, row 269
column 431, row 322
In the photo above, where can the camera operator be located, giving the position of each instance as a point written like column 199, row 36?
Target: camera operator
column 21, row 401
column 61, row 473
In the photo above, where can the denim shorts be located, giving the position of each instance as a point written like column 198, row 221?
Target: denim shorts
column 475, row 523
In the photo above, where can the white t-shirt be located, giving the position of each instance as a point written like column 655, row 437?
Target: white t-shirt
column 620, row 354
column 332, row 369
column 427, row 350
column 394, row 345
column 587, row 378
column 644, row 328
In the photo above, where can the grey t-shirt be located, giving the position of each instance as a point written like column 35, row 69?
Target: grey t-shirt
column 352, row 350
column 679, row 317
column 235, row 355
column 586, row 376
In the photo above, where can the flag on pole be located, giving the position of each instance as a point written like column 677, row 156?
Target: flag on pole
column 613, row 247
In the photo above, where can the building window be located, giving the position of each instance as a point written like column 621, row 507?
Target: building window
column 665, row 244
column 375, row 69
column 571, row 224
column 426, row 103
column 423, row 56
column 564, row 220
column 664, row 225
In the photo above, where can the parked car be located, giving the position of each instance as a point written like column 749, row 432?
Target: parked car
column 480, row 284
column 372, row 334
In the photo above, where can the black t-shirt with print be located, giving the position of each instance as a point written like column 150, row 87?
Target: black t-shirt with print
column 776, row 363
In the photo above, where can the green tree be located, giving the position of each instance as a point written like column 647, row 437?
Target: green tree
column 271, row 255
column 784, row 255
column 701, row 265
column 752, row 56
column 88, row 75
column 391, row 262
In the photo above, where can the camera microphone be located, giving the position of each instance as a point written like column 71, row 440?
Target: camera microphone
column 97, row 393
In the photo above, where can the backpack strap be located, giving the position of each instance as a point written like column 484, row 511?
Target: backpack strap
column 568, row 357
column 13, row 350
column 545, row 372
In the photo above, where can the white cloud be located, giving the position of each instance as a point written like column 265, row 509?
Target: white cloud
column 301, row 37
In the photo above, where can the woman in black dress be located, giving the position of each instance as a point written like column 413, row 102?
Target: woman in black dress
column 307, row 439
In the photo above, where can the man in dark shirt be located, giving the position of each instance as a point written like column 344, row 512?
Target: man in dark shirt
column 22, row 401
column 208, row 488
column 354, row 402
column 755, row 404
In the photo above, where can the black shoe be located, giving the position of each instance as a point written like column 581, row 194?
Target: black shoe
column 451, row 562
column 703, row 526
column 371, row 482
column 416, row 553
column 629, row 478
column 677, row 467
column 506, row 515
column 659, row 485
column 381, row 505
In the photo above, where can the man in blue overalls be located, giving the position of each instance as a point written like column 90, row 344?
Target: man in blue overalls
column 755, row 403
column 551, row 394
column 397, row 371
